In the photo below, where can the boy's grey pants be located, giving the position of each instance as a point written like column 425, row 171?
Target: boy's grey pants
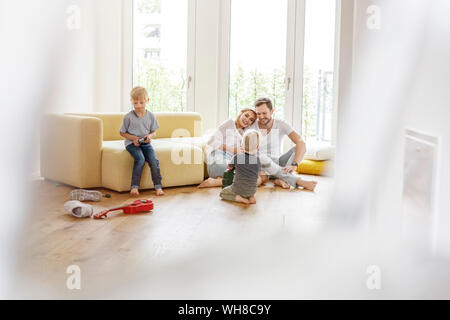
column 228, row 194
column 273, row 167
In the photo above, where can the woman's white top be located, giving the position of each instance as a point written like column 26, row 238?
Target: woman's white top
column 227, row 134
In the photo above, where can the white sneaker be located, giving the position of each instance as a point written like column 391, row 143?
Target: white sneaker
column 78, row 209
column 86, row 195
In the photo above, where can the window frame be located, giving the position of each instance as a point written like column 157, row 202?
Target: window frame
column 295, row 33
column 128, row 53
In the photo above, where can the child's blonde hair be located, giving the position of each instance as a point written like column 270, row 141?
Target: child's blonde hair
column 139, row 92
column 250, row 141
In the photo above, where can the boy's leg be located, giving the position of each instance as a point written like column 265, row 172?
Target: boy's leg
column 150, row 157
column 228, row 194
column 139, row 162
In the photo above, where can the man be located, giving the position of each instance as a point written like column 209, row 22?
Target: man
column 272, row 133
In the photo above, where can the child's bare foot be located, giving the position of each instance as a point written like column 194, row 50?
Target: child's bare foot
column 241, row 199
column 159, row 192
column 282, row 184
column 210, row 183
column 134, row 192
column 308, row 185
column 252, row 200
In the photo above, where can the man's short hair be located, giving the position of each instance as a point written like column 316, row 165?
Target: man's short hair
column 266, row 101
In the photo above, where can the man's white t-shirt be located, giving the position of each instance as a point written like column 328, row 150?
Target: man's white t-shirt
column 271, row 143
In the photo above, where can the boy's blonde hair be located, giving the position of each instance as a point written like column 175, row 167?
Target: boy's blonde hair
column 139, row 92
column 250, row 141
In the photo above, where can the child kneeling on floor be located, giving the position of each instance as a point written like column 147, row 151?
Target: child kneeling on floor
column 247, row 167
column 138, row 128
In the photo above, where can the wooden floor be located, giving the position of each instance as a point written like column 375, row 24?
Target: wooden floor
column 183, row 221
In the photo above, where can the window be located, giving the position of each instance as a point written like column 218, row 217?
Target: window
column 318, row 71
column 284, row 50
column 160, row 52
column 257, row 54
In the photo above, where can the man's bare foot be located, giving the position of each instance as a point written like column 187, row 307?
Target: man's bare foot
column 282, row 184
column 262, row 179
column 241, row 199
column 211, row 182
column 159, row 192
column 308, row 185
column 134, row 192
column 252, row 200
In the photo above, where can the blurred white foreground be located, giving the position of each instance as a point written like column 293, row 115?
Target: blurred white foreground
column 400, row 79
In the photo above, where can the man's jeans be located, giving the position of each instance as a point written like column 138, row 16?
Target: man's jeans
column 141, row 154
column 286, row 159
column 273, row 167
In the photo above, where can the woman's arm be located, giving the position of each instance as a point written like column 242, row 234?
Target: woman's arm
column 228, row 149
column 216, row 141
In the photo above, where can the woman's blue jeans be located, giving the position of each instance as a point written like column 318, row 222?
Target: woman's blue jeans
column 217, row 162
column 144, row 153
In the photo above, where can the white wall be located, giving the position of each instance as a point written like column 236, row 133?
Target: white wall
column 94, row 67
column 428, row 107
column 400, row 79
column 90, row 71
column 206, row 61
column 108, row 55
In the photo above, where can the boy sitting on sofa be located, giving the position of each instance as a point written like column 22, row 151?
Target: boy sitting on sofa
column 138, row 128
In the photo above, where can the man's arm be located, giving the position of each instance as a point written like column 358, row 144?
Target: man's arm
column 300, row 149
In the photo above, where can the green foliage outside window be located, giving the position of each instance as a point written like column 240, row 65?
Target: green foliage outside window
column 167, row 91
column 149, row 6
column 248, row 85
column 166, row 87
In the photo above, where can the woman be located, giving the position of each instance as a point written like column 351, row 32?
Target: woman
column 224, row 144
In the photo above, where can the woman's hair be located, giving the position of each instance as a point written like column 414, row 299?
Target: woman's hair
column 242, row 112
column 250, row 141
column 139, row 92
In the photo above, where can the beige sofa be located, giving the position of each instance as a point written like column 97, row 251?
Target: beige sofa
column 87, row 151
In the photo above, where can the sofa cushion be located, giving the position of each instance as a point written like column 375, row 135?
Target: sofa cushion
column 111, row 123
column 319, row 151
column 318, row 168
column 195, row 141
column 178, row 124
column 171, row 124
column 180, row 163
